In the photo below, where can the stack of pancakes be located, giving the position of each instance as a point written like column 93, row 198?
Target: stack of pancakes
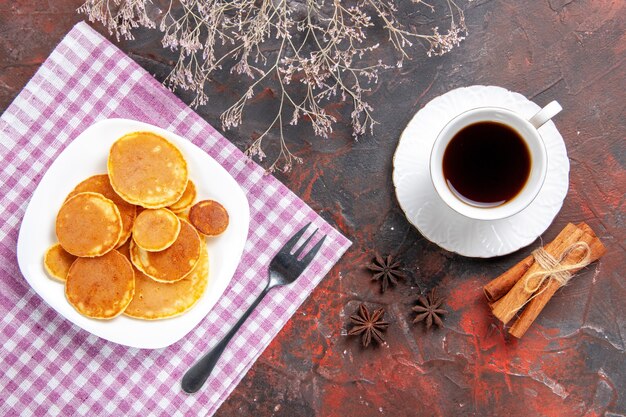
column 132, row 241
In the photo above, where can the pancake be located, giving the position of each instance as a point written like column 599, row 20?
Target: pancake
column 101, row 288
column 57, row 262
column 156, row 229
column 147, row 170
column 173, row 263
column 88, row 224
column 157, row 300
column 125, row 250
column 209, row 217
column 100, row 184
column 186, row 200
column 184, row 215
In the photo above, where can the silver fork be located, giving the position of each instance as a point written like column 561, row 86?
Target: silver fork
column 284, row 269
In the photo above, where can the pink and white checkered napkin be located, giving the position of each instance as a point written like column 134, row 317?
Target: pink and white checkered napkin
column 50, row 366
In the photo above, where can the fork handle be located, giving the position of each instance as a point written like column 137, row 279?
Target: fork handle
column 197, row 375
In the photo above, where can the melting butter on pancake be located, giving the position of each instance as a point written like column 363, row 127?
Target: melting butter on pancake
column 186, row 200
column 102, row 287
column 57, row 262
column 156, row 229
column 209, row 217
column 155, row 300
column 100, row 184
column 147, row 170
column 173, row 263
column 88, row 224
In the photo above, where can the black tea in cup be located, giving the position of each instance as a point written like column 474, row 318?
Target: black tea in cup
column 486, row 164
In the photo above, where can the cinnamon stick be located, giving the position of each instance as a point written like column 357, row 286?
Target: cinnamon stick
column 498, row 287
column 507, row 306
column 545, row 293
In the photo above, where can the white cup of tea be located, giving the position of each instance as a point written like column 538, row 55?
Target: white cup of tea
column 490, row 163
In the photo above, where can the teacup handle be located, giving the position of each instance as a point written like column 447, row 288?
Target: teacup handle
column 548, row 112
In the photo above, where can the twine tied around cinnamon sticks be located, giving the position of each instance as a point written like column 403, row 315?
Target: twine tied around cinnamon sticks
column 533, row 281
column 552, row 268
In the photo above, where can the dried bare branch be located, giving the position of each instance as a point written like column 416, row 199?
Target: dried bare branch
column 321, row 48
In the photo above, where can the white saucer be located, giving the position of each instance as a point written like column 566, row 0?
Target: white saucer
column 444, row 226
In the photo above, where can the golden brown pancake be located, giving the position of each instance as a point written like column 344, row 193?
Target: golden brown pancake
column 186, row 200
column 156, row 229
column 147, row 170
column 184, row 215
column 57, row 262
column 173, row 263
column 125, row 250
column 209, row 217
column 100, row 184
column 100, row 288
column 88, row 224
column 155, row 300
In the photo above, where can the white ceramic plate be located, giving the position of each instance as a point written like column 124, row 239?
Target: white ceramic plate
column 86, row 156
column 445, row 227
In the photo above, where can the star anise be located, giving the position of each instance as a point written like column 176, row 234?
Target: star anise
column 428, row 310
column 386, row 270
column 368, row 325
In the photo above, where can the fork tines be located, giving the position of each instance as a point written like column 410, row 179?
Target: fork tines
column 291, row 243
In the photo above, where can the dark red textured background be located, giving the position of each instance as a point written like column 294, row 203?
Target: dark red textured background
column 573, row 360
